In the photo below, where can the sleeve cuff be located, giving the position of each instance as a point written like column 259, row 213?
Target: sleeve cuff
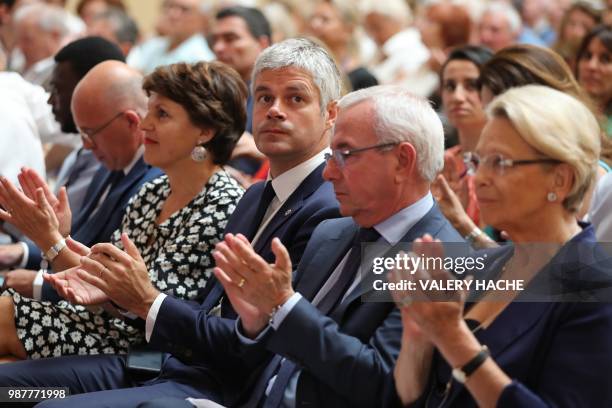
column 26, row 254
column 37, row 285
column 275, row 321
column 285, row 309
column 152, row 315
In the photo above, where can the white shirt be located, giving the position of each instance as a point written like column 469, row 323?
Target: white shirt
column 24, row 117
column 154, row 52
column 405, row 54
column 284, row 185
column 40, row 72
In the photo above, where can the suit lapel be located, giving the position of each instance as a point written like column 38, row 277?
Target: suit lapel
column 295, row 201
column 97, row 222
column 429, row 224
column 95, row 190
column 329, row 254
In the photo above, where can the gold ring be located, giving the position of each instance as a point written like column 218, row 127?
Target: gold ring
column 241, row 283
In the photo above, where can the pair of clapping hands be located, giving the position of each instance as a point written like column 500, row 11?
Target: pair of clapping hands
column 33, row 208
column 106, row 273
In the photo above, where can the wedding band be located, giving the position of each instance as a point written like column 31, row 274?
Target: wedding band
column 241, row 283
column 406, row 301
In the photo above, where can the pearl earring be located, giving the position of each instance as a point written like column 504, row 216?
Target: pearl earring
column 198, row 154
column 551, row 197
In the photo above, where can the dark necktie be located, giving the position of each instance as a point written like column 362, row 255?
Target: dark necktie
column 349, row 271
column 330, row 300
column 264, row 202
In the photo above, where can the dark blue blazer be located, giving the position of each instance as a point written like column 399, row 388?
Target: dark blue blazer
column 185, row 330
column 557, row 354
column 90, row 229
column 344, row 357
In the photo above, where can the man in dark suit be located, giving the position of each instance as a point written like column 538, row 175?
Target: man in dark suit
column 316, row 343
column 72, row 63
column 291, row 124
column 111, row 91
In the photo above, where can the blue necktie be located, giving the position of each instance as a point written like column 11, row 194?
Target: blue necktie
column 262, row 206
column 326, row 305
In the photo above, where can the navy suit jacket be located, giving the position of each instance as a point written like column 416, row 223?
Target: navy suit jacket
column 557, row 354
column 344, row 357
column 185, row 329
column 90, row 229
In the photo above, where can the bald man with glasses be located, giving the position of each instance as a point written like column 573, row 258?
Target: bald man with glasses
column 110, row 90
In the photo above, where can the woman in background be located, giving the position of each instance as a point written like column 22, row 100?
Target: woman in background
column 461, row 102
column 594, row 71
column 334, row 22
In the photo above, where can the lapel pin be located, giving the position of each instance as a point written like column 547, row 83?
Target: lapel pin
column 288, row 212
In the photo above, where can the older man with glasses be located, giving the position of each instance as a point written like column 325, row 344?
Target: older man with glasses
column 112, row 90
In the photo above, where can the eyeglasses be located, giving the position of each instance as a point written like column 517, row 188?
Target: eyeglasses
column 340, row 156
column 89, row 135
column 497, row 162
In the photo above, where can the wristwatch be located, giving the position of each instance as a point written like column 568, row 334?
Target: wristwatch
column 461, row 374
column 54, row 251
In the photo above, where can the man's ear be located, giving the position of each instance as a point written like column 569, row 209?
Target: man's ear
column 332, row 114
column 406, row 161
column 133, row 118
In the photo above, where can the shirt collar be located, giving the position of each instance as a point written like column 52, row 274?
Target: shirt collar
column 286, row 183
column 137, row 156
column 395, row 227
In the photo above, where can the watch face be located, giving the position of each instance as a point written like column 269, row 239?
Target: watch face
column 459, row 375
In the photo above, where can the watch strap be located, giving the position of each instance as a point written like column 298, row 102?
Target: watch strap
column 461, row 374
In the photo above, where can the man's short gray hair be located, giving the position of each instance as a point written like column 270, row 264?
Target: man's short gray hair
column 51, row 19
column 397, row 10
column 124, row 27
column 308, row 56
column 505, row 9
column 400, row 116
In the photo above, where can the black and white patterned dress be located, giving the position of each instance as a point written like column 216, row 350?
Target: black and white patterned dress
column 178, row 259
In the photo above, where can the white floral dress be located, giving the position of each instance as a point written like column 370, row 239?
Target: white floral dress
column 177, row 254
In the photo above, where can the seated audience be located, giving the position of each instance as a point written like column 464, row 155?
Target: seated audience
column 88, row 10
column 40, row 32
column 173, row 221
column 181, row 41
column 117, row 26
column 594, row 71
column 289, row 206
column 517, row 66
column 110, row 108
column 401, row 52
column 577, row 22
column 78, row 169
column 506, row 351
column 335, row 23
column 499, row 26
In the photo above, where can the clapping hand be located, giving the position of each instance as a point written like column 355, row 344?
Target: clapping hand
column 254, row 287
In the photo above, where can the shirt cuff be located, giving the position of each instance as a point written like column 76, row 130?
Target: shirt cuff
column 26, row 255
column 285, row 309
column 275, row 322
column 152, row 315
column 37, row 286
